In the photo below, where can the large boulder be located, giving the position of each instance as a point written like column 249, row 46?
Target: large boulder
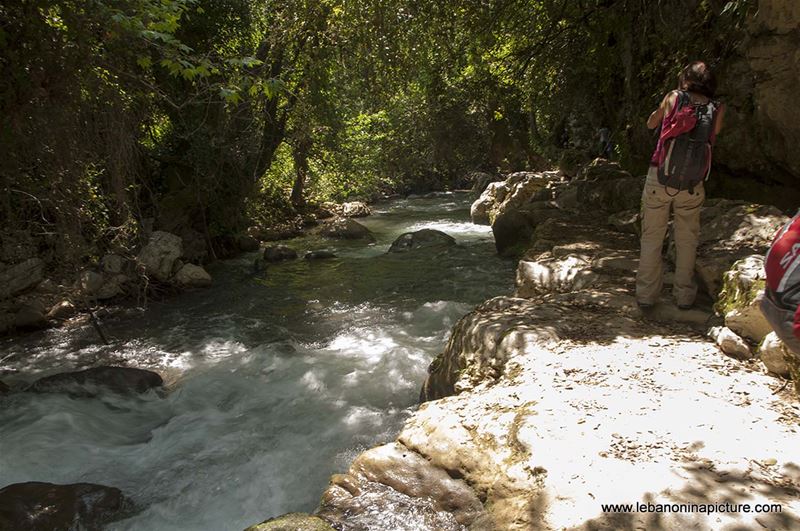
column 346, row 229
column 46, row 506
column 424, row 238
column 739, row 300
column 192, row 276
column 159, row 255
column 293, row 522
column 554, row 275
column 19, row 277
column 431, row 499
column 518, row 190
column 121, row 380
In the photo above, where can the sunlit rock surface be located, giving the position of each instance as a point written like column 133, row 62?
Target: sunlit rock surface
column 405, row 485
column 568, row 396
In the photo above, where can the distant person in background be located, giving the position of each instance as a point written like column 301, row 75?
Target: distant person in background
column 604, row 144
column 781, row 303
column 690, row 119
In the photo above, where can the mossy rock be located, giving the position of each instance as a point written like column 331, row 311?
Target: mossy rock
column 741, row 285
column 293, row 522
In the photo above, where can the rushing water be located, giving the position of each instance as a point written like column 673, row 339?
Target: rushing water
column 278, row 378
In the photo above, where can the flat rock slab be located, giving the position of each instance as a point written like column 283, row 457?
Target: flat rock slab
column 90, row 382
column 49, row 507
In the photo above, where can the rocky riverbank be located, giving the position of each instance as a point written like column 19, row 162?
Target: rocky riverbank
column 33, row 295
column 564, row 396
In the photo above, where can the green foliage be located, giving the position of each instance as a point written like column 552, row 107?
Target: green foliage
column 213, row 115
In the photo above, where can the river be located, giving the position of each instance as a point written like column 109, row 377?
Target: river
column 277, row 378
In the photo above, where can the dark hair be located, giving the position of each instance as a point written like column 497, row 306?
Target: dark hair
column 698, row 77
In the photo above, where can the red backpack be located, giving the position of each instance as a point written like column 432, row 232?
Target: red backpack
column 683, row 154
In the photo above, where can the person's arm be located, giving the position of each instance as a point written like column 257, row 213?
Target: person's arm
column 663, row 110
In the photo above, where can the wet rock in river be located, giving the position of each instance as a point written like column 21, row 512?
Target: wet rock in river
column 346, row 229
column 122, row 380
column 420, row 239
column 46, row 506
column 4, row 389
column 31, row 315
column 321, row 254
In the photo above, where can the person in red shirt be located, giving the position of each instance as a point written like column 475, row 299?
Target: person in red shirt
column 781, row 302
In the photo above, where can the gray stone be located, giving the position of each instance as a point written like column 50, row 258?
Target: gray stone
column 730, row 343
column 772, row 353
column 20, row 277
column 278, row 253
column 192, row 276
column 160, row 254
column 424, row 238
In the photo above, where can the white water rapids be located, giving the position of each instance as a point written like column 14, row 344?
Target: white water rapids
column 277, row 378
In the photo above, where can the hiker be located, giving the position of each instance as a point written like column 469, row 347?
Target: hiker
column 689, row 120
column 604, row 144
column 781, row 302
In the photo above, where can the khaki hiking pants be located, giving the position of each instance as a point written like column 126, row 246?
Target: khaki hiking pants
column 656, row 203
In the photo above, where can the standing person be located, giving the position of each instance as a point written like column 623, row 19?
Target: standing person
column 781, row 302
column 690, row 119
column 604, row 143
